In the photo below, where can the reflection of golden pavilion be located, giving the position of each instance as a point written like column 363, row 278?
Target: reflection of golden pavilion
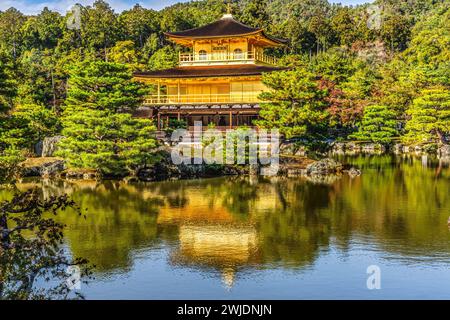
column 223, row 246
column 209, row 235
column 214, row 231
column 193, row 214
column 198, row 208
column 201, row 207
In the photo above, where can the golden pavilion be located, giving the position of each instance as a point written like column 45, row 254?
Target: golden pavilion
column 218, row 81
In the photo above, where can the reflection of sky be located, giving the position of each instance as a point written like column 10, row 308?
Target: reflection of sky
column 35, row 6
column 336, row 274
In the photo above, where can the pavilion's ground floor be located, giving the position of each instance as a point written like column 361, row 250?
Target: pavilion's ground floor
column 222, row 117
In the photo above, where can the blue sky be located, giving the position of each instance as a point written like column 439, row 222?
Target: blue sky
column 35, row 6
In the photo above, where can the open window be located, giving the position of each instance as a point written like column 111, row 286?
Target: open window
column 202, row 55
column 238, row 54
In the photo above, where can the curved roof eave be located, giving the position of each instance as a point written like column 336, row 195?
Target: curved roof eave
column 273, row 39
column 224, row 28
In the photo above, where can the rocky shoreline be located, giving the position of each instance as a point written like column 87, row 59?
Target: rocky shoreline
column 293, row 162
column 289, row 166
column 398, row 148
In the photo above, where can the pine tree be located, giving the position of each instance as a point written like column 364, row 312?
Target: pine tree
column 100, row 28
column 163, row 58
column 28, row 124
column 430, row 116
column 7, row 89
column 378, row 125
column 9, row 157
column 139, row 24
column 100, row 131
column 297, row 105
column 254, row 13
column 11, row 24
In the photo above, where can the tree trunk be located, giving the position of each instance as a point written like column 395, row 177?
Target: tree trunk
column 4, row 244
column 53, row 90
column 4, row 235
column 441, row 136
column 14, row 50
column 2, row 276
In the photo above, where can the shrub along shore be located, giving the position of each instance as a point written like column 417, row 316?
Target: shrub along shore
column 293, row 161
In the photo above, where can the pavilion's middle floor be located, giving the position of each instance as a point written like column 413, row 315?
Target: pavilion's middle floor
column 205, row 91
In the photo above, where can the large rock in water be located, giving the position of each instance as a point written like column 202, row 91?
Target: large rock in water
column 42, row 167
column 293, row 149
column 165, row 169
column 38, row 148
column 162, row 170
column 338, row 146
column 324, row 166
column 373, row 147
column 49, row 145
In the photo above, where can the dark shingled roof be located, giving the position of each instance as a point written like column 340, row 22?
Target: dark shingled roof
column 224, row 27
column 209, row 71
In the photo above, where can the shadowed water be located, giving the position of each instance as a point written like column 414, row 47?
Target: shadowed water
column 274, row 238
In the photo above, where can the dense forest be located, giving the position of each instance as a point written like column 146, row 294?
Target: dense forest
column 376, row 72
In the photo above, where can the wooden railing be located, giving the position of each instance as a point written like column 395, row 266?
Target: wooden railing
column 265, row 58
column 220, row 128
column 237, row 97
column 190, row 58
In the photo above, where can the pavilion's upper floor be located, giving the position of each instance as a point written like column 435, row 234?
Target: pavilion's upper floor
column 224, row 42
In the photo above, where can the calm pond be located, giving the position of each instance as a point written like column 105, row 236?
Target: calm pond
column 233, row 238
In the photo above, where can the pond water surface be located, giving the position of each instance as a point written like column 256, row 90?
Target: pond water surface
column 247, row 238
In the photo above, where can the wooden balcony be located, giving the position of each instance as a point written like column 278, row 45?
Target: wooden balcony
column 228, row 98
column 220, row 58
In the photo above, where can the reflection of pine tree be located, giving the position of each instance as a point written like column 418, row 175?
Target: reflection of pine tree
column 240, row 200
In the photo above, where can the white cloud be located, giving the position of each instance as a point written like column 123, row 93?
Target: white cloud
column 351, row 2
column 30, row 7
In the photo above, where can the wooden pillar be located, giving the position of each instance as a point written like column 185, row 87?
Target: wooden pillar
column 246, row 51
column 231, row 119
column 178, row 116
column 178, row 91
column 159, row 92
column 210, row 50
column 158, row 125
